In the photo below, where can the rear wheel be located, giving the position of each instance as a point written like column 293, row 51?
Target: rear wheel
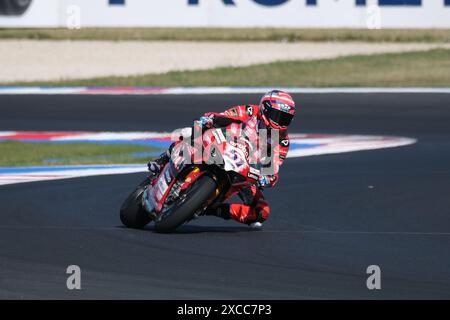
column 184, row 208
column 132, row 214
column 14, row 7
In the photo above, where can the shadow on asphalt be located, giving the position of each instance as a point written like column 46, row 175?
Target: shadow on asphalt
column 192, row 229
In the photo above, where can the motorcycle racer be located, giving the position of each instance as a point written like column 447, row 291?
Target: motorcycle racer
column 274, row 112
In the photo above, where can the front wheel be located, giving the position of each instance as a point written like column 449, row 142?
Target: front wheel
column 132, row 214
column 184, row 208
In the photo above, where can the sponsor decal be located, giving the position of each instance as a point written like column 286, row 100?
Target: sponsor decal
column 285, row 143
column 285, row 108
column 252, row 176
column 218, row 134
column 232, row 112
column 240, row 146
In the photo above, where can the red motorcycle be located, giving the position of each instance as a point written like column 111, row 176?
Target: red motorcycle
column 198, row 176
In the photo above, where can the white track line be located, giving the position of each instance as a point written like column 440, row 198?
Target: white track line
column 260, row 90
column 302, row 145
column 206, row 90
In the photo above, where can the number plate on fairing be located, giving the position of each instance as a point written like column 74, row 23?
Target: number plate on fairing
column 161, row 187
column 162, row 184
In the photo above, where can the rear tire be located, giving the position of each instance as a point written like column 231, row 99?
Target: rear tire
column 14, row 7
column 132, row 214
column 201, row 191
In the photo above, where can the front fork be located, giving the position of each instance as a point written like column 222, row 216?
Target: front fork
column 148, row 203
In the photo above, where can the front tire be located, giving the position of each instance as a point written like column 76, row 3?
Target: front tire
column 200, row 192
column 132, row 214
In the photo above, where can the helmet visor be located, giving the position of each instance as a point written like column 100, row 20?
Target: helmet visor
column 283, row 119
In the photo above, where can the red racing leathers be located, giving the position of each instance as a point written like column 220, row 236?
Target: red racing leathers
column 254, row 207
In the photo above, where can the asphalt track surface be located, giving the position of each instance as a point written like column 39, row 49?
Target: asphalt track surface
column 332, row 215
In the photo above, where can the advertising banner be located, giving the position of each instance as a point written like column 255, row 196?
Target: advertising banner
column 372, row 14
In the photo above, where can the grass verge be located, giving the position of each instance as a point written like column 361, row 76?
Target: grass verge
column 424, row 69
column 231, row 34
column 17, row 154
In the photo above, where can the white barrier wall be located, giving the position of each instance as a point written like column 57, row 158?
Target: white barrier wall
column 233, row 13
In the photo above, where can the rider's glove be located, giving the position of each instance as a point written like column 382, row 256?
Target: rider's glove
column 206, row 121
column 154, row 167
column 263, row 181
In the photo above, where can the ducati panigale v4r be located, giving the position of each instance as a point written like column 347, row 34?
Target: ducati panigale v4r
column 198, row 176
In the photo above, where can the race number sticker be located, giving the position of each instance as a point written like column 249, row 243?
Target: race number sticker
column 249, row 111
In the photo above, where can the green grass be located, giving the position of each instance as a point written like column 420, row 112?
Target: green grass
column 425, row 68
column 16, row 154
column 231, row 34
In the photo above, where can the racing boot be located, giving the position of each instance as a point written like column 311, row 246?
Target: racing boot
column 256, row 225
